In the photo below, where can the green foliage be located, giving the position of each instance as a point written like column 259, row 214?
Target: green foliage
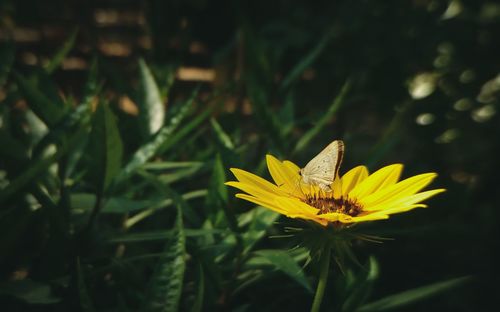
column 151, row 108
column 112, row 172
column 166, row 285
column 402, row 299
column 105, row 149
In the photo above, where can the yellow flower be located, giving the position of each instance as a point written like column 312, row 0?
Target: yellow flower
column 355, row 197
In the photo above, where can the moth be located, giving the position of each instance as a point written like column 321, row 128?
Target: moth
column 324, row 167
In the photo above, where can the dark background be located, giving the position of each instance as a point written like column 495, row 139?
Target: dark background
column 424, row 91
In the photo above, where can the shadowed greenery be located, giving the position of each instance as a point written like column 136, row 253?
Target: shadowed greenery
column 113, row 158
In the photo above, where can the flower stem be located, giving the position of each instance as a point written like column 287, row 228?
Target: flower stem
column 323, row 277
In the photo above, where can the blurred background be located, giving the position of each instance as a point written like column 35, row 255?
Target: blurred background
column 120, row 120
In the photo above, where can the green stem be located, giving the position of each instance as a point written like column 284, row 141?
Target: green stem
column 323, row 277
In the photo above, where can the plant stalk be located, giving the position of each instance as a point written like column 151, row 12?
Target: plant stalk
column 323, row 278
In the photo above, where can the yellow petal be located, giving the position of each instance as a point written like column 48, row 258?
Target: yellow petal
column 250, row 178
column 293, row 167
column 385, row 213
column 336, row 187
column 251, row 189
column 336, row 217
column 404, row 201
column 380, row 179
column 352, row 178
column 370, row 217
column 269, row 204
column 295, row 207
column 284, row 177
column 401, row 189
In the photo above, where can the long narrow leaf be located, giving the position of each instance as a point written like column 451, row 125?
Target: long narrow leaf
column 105, row 148
column 46, row 109
column 200, row 291
column 307, row 61
column 414, row 295
column 57, row 59
column 6, row 61
column 167, row 281
column 35, row 170
column 285, row 263
column 151, row 108
column 148, row 150
column 86, row 304
column 184, row 131
column 320, row 125
column 362, row 288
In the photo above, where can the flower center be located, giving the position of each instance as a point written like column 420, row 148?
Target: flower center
column 330, row 204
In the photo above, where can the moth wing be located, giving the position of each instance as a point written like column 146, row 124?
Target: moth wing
column 324, row 167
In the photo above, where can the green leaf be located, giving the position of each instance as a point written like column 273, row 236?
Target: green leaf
column 221, row 136
column 148, row 150
column 362, row 287
column 178, row 136
column 105, row 148
column 287, row 114
column 164, row 165
column 161, row 235
column 38, row 166
column 392, row 134
column 57, row 59
column 217, row 191
column 45, row 108
column 197, row 305
column 71, row 123
column 151, row 108
column 167, row 281
column 85, row 300
column 258, row 220
column 270, row 125
column 29, row 291
column 282, row 261
column 306, row 61
column 181, row 174
column 16, row 149
column 414, row 295
column 320, row 124
column 85, row 202
column 6, row 60
column 92, row 85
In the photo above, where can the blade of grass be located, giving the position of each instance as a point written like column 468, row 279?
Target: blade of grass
column 148, row 150
column 413, row 295
column 221, row 135
column 46, row 109
column 161, row 235
column 320, row 125
column 161, row 205
column 57, row 59
column 105, row 148
column 165, row 189
column 282, row 261
column 306, row 61
column 259, row 220
column 164, row 165
column 167, row 281
column 200, row 290
column 6, row 61
column 391, row 136
column 37, row 167
column 151, row 108
column 85, row 300
column 363, row 287
column 184, row 131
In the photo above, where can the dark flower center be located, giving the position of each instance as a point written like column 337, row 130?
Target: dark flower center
column 330, row 204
